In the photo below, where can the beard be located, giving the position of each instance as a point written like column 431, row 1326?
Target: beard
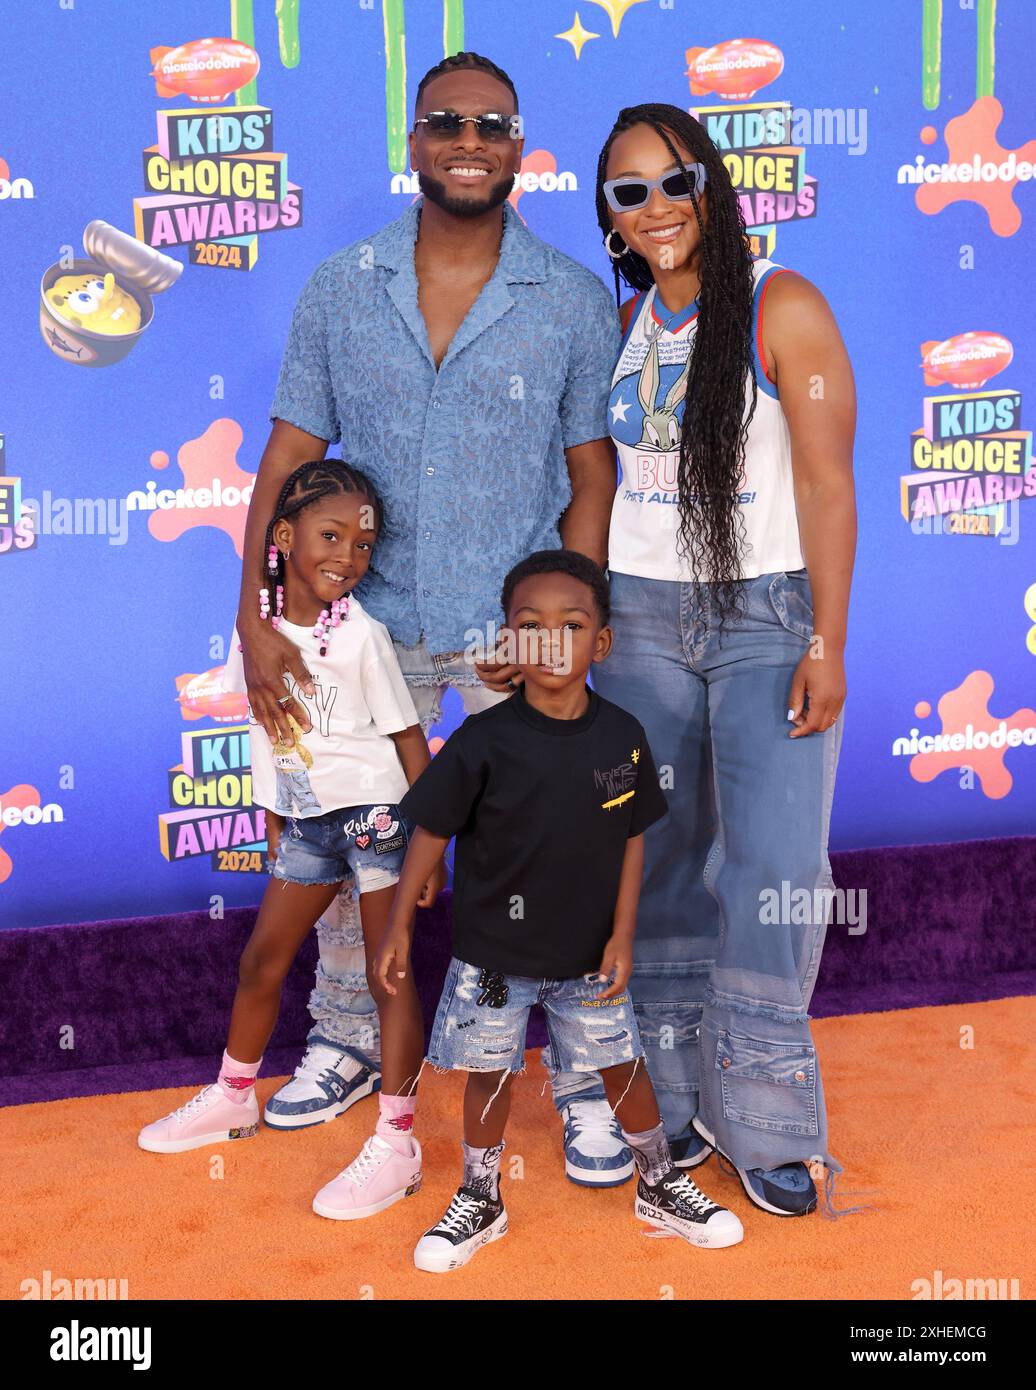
column 436, row 192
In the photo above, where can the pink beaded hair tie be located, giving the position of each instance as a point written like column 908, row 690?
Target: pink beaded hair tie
column 272, row 564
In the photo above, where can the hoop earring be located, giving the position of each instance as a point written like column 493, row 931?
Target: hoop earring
column 615, row 255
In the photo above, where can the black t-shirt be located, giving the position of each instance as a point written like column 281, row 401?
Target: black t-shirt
column 542, row 809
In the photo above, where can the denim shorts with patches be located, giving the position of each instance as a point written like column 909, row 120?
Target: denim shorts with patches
column 482, row 1016
column 369, row 841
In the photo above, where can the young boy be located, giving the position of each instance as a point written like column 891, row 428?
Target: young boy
column 548, row 794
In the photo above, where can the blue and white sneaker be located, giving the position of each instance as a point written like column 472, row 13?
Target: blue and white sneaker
column 329, row 1079
column 596, row 1155
column 689, row 1150
column 784, row 1191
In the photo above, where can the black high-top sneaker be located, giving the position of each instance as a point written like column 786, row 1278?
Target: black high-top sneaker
column 676, row 1204
column 471, row 1221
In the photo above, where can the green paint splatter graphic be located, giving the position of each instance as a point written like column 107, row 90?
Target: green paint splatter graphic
column 985, row 57
column 242, row 27
column 452, row 27
column 395, row 83
column 396, row 123
column 931, row 53
column 931, row 50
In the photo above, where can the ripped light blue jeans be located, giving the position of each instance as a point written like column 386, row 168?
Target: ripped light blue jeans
column 341, row 1005
column 721, row 989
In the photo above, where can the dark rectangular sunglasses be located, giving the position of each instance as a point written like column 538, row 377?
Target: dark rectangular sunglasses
column 492, row 125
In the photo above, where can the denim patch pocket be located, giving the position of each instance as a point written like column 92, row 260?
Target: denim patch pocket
column 669, row 1034
column 768, row 1085
column 790, row 598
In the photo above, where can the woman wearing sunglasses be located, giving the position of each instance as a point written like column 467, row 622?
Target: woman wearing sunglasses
column 730, row 551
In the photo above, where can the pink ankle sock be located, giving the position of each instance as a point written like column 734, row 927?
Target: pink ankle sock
column 236, row 1079
column 396, row 1121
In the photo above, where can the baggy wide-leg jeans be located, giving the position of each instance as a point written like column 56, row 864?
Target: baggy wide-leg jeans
column 723, row 970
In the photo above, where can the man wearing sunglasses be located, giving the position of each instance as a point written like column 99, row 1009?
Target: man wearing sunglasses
column 465, row 366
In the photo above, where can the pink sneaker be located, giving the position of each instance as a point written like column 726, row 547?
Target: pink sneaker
column 208, row 1118
column 376, row 1178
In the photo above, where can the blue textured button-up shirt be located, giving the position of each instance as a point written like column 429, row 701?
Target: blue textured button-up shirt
column 469, row 460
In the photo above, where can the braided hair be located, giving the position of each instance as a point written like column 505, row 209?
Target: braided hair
column 308, row 484
column 715, row 422
column 458, row 61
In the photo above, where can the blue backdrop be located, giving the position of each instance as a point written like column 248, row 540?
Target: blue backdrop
column 115, row 615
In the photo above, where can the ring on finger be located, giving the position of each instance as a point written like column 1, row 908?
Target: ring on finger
column 284, row 700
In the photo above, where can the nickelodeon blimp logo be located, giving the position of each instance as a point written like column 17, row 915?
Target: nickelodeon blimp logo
column 204, row 69
column 736, row 69
column 967, row 360
column 203, row 697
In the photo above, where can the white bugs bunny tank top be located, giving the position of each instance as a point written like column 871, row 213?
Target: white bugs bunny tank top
column 646, row 413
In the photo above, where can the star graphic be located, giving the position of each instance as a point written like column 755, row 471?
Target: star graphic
column 616, row 11
column 618, row 410
column 576, row 35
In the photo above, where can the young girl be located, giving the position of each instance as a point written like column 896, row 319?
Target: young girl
column 331, row 802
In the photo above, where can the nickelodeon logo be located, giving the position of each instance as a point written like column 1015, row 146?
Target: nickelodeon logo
column 14, row 188
column 972, row 741
column 538, row 174
column 50, row 814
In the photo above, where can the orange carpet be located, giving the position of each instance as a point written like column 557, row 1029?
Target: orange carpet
column 938, row 1137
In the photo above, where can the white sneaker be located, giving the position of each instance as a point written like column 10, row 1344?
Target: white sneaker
column 377, row 1177
column 207, row 1118
column 329, row 1079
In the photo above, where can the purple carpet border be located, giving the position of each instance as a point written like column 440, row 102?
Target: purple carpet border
column 147, row 999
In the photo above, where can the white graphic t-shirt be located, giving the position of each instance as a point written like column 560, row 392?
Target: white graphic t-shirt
column 347, row 758
column 646, row 412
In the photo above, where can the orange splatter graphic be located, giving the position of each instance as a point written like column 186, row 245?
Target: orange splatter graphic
column 929, row 135
column 209, row 467
column 537, row 162
column 969, row 135
column 5, row 171
column 159, row 459
column 969, row 705
column 21, row 796
column 922, row 709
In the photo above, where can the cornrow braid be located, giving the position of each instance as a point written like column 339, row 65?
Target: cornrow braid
column 308, row 483
column 458, row 61
column 715, row 421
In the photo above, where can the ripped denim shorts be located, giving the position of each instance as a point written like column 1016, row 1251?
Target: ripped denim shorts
column 367, row 841
column 482, row 1017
